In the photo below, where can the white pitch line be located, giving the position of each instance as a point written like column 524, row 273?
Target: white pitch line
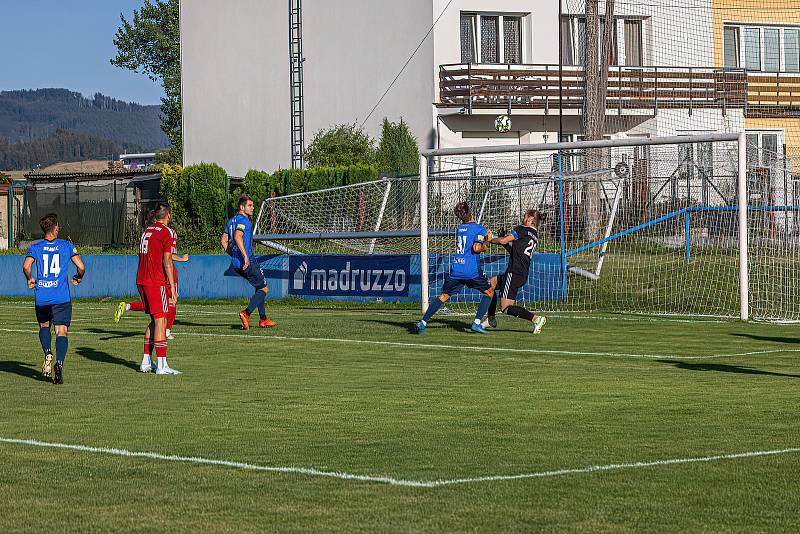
column 392, row 481
column 471, row 348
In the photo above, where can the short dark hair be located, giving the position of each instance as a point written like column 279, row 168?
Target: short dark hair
column 161, row 210
column 536, row 215
column 243, row 200
column 462, row 211
column 48, row 222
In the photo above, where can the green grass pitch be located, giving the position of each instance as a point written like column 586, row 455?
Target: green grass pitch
column 348, row 390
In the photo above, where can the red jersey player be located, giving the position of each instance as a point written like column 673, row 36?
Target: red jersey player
column 137, row 305
column 155, row 280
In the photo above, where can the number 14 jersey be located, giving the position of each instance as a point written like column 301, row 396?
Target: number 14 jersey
column 155, row 241
column 52, row 270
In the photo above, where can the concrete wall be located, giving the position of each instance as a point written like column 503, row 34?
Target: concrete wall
column 235, row 74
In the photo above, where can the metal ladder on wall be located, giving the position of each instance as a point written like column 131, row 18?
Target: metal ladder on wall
column 296, row 81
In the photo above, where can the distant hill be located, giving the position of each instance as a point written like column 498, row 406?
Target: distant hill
column 60, row 146
column 34, row 114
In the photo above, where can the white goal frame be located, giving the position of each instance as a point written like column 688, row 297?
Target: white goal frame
column 426, row 158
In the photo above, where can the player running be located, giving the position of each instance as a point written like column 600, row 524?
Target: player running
column 51, row 291
column 155, row 279
column 465, row 268
column 138, row 305
column 521, row 243
column 238, row 242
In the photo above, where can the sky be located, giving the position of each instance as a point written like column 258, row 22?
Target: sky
column 69, row 44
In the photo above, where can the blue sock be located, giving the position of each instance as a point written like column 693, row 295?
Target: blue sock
column 433, row 307
column 45, row 338
column 61, row 349
column 483, row 307
column 262, row 310
column 254, row 301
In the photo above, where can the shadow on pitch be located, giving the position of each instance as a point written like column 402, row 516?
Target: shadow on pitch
column 411, row 328
column 104, row 357
column 27, row 370
column 113, row 334
column 723, row 368
column 774, row 339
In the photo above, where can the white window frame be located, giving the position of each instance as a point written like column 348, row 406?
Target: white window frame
column 619, row 38
column 761, row 132
column 782, row 28
column 501, row 37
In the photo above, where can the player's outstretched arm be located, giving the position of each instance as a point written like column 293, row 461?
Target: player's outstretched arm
column 169, row 270
column 26, row 270
column 76, row 259
column 479, row 247
column 224, row 240
column 183, row 258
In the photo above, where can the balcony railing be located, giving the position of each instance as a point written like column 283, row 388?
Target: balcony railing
column 649, row 89
column 773, row 94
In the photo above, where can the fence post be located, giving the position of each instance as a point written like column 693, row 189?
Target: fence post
column 11, row 214
column 226, row 185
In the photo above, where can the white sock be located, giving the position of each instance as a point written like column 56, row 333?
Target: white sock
column 146, row 360
column 424, row 323
column 162, row 362
column 168, row 332
column 477, row 321
column 127, row 306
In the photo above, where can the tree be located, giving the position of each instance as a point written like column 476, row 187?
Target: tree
column 150, row 44
column 398, row 153
column 340, row 146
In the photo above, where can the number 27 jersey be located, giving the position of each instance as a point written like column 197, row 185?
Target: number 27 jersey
column 52, row 270
column 155, row 241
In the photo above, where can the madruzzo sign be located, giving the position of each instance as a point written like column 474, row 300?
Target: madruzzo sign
column 353, row 276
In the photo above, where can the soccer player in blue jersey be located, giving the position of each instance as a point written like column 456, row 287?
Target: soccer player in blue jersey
column 472, row 239
column 238, row 242
column 51, row 291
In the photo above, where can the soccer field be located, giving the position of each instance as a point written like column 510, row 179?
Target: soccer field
column 340, row 419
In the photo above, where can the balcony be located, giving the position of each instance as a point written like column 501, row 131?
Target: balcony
column 631, row 90
column 773, row 95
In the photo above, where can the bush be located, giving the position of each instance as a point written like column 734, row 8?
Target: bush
column 340, row 145
column 196, row 195
column 398, row 153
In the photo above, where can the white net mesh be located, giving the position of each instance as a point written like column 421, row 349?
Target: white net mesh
column 669, row 213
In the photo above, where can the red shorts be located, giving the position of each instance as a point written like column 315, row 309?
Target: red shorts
column 155, row 300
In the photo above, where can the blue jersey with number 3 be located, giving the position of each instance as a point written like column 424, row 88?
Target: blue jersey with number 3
column 52, row 260
column 465, row 264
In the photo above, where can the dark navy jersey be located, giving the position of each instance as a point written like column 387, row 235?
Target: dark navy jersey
column 526, row 240
column 52, row 260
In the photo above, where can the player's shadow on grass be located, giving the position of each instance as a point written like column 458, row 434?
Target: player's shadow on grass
column 28, row 370
column 723, row 368
column 773, row 339
column 411, row 328
column 112, row 334
column 104, row 357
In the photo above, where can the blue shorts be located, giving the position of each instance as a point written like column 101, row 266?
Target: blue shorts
column 452, row 286
column 254, row 275
column 58, row 314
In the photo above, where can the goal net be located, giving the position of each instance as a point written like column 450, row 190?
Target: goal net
column 634, row 225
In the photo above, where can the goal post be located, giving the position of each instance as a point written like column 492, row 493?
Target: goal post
column 495, row 163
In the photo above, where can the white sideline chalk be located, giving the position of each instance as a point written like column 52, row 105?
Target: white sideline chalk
column 392, row 481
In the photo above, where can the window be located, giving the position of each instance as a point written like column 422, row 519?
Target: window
column 772, row 50
column 512, row 38
column 752, row 48
column 762, row 49
column 627, row 34
column 764, row 147
column 491, row 38
column 731, row 46
column 791, row 50
column 469, row 52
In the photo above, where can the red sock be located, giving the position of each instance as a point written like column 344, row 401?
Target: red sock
column 136, row 306
column 161, row 349
column 171, row 311
column 148, row 346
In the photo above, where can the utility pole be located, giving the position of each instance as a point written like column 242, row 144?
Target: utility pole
column 296, row 82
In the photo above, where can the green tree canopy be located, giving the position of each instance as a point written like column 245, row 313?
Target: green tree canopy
column 150, row 44
column 340, row 146
column 398, row 153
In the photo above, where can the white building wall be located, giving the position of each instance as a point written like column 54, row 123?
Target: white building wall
column 235, row 70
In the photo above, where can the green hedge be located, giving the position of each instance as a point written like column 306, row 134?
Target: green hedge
column 196, row 195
